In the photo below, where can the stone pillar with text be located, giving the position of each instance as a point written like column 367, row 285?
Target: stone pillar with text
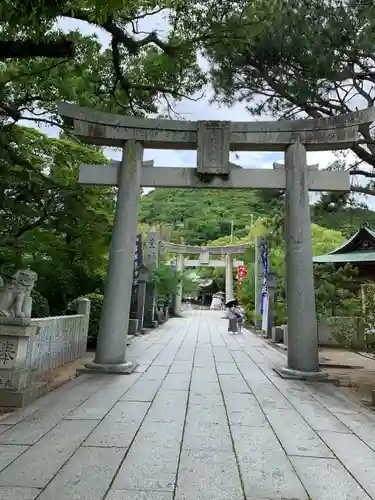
column 152, row 260
column 228, row 277
column 110, row 354
column 303, row 359
column 178, row 297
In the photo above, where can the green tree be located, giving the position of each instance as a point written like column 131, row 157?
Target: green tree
column 133, row 75
column 49, row 222
column 166, row 280
column 200, row 216
column 336, row 291
column 298, row 58
column 137, row 72
column 323, row 241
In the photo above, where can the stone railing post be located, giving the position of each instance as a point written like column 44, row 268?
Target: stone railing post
column 84, row 306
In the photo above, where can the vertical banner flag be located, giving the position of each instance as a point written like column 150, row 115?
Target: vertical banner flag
column 264, row 257
column 137, row 264
column 241, row 274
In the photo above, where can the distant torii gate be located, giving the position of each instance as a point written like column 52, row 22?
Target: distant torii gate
column 214, row 140
column 226, row 251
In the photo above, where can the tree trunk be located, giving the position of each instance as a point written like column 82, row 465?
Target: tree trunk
column 27, row 49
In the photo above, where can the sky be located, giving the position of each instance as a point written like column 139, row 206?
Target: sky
column 191, row 110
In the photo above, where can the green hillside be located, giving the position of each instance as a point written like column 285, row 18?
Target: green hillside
column 203, row 215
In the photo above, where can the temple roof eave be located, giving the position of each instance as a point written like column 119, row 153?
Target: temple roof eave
column 359, row 248
column 352, row 257
column 363, row 233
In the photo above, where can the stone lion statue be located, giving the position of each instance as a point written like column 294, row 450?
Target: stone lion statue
column 15, row 299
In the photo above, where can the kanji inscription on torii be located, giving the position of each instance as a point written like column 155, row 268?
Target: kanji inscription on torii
column 213, row 147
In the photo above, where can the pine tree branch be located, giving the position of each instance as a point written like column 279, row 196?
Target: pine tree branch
column 363, row 190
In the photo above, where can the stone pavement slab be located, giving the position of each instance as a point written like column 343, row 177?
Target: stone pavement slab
column 327, row 479
column 39, row 463
column 138, row 495
column 264, row 466
column 86, row 476
column 9, row 452
column 361, row 424
column 119, row 426
column 148, row 468
column 208, row 474
column 244, row 409
column 16, row 493
column 203, row 417
column 358, row 458
column 295, row 434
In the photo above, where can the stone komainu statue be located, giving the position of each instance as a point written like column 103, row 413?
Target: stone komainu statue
column 15, row 299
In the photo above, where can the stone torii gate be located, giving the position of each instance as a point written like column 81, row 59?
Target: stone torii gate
column 213, row 140
column 226, row 251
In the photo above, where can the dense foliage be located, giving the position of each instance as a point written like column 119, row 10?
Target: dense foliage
column 297, row 58
column 199, row 216
column 289, row 59
column 167, row 281
column 331, row 286
column 47, row 221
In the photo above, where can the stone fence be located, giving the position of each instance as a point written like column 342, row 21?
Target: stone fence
column 59, row 340
column 34, row 345
column 341, row 331
column 334, row 331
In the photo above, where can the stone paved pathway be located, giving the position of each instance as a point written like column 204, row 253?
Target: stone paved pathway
column 204, row 418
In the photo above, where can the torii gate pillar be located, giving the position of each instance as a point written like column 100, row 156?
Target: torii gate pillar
column 303, row 358
column 110, row 354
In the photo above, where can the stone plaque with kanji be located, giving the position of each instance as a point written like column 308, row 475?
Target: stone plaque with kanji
column 213, row 147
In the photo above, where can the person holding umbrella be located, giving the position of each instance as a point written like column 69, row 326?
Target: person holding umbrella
column 233, row 314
